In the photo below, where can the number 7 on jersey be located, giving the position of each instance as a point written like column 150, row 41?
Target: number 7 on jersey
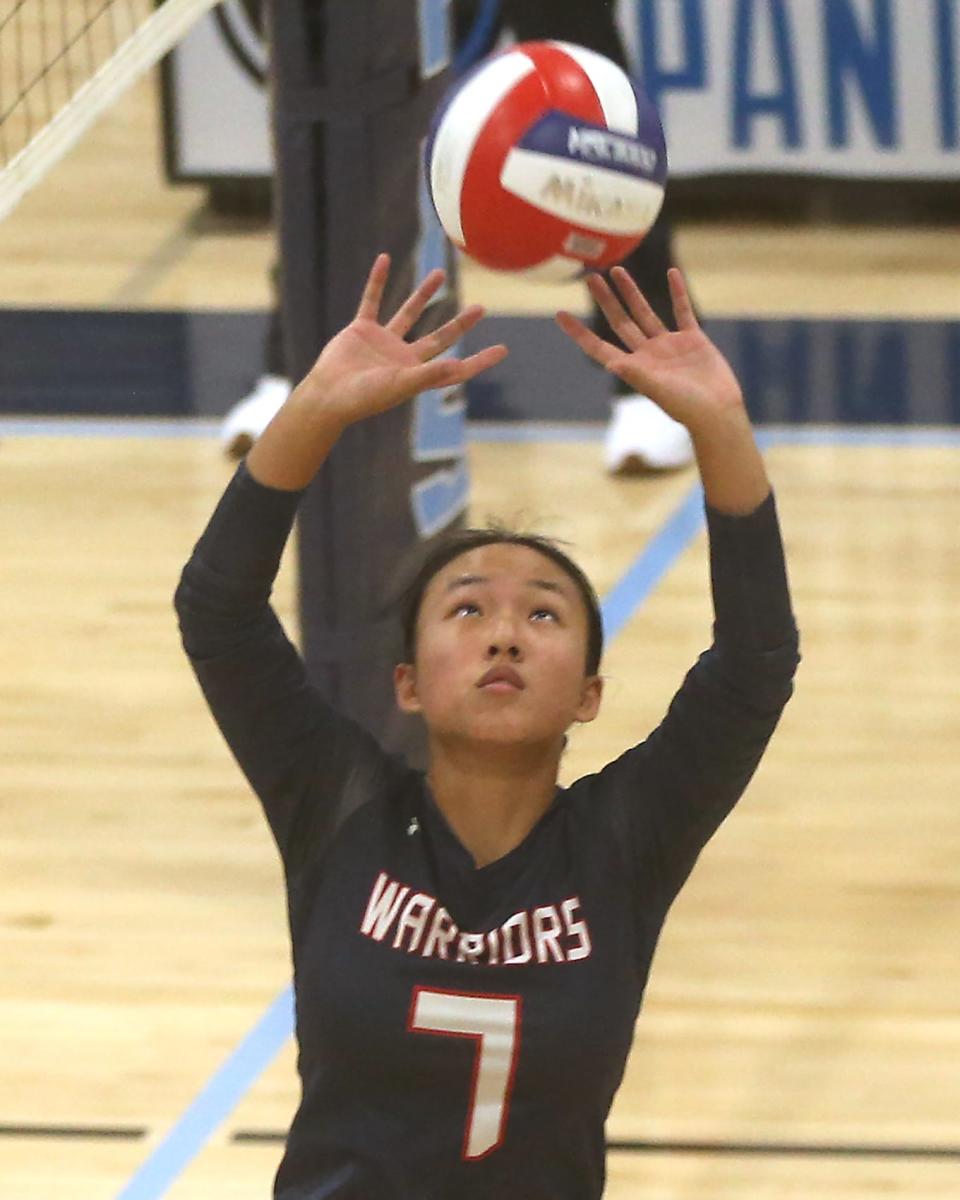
column 494, row 1021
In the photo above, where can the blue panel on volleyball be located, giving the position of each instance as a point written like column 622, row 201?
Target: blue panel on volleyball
column 562, row 136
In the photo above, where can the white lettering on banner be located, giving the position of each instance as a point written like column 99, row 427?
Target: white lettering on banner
column 550, row 933
column 856, row 87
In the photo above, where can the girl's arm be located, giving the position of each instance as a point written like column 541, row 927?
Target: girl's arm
column 290, row 744
column 676, row 787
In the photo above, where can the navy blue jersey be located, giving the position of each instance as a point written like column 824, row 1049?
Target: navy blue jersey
column 462, row 1030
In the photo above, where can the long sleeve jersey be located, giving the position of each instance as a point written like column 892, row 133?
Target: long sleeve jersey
column 462, row 1031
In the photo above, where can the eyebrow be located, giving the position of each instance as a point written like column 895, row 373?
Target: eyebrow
column 547, row 585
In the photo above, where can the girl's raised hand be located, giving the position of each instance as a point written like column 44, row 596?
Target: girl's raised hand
column 683, row 372
column 368, row 367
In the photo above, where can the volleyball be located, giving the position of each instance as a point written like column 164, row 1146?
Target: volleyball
column 546, row 159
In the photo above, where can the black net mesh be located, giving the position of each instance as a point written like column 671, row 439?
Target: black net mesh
column 48, row 50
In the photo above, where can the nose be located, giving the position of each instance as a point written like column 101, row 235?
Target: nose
column 512, row 651
column 505, row 641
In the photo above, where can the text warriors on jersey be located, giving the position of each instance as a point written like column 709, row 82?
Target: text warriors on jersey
column 414, row 922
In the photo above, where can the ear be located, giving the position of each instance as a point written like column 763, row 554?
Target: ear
column 590, row 699
column 405, row 688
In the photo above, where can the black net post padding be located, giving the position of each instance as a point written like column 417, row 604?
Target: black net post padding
column 351, row 103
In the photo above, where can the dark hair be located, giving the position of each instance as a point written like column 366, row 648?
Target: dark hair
column 461, row 541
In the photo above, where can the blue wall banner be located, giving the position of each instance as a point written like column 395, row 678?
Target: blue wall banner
column 857, row 88
column 794, row 372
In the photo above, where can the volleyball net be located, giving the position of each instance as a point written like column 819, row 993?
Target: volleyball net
column 353, row 87
column 63, row 63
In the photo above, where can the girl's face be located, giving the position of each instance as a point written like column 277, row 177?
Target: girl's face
column 501, row 648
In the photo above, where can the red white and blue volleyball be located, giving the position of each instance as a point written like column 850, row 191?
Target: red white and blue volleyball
column 546, row 159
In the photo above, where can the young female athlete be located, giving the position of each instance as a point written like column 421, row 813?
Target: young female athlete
column 471, row 945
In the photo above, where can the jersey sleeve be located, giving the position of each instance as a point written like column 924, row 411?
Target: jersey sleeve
column 671, row 793
column 303, row 759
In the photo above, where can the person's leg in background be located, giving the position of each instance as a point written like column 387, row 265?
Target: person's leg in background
column 640, row 435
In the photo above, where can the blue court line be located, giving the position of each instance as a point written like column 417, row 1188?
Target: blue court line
column 215, row 1102
column 108, row 427
column 652, row 563
column 259, row 1048
column 194, row 427
column 851, row 435
column 486, row 431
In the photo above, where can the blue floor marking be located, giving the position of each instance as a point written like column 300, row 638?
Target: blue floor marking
column 652, row 563
column 215, row 1102
column 488, row 431
column 852, row 435
column 107, row 427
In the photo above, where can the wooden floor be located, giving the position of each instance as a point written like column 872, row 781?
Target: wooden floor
column 806, row 991
column 806, row 987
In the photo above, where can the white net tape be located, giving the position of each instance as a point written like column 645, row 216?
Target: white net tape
column 62, row 63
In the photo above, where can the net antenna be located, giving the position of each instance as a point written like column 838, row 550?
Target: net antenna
column 62, row 63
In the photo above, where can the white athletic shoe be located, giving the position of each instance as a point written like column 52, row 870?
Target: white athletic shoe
column 250, row 416
column 641, row 437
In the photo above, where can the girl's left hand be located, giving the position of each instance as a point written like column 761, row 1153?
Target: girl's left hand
column 683, row 372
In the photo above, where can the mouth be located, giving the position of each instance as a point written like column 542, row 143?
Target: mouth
column 501, row 679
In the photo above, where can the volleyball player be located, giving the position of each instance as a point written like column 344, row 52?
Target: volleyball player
column 471, row 944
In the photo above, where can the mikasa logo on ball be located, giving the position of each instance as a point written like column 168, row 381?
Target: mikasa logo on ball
column 599, row 146
column 581, row 199
column 599, row 198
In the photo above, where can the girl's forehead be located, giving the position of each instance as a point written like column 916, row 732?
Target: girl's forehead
column 500, row 562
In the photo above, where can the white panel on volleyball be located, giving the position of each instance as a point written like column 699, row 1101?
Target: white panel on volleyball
column 459, row 129
column 613, row 88
column 558, row 269
column 585, row 195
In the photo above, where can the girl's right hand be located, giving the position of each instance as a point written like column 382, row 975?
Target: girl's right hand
column 368, row 367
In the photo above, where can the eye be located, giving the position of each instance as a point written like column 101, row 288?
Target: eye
column 544, row 614
column 465, row 608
